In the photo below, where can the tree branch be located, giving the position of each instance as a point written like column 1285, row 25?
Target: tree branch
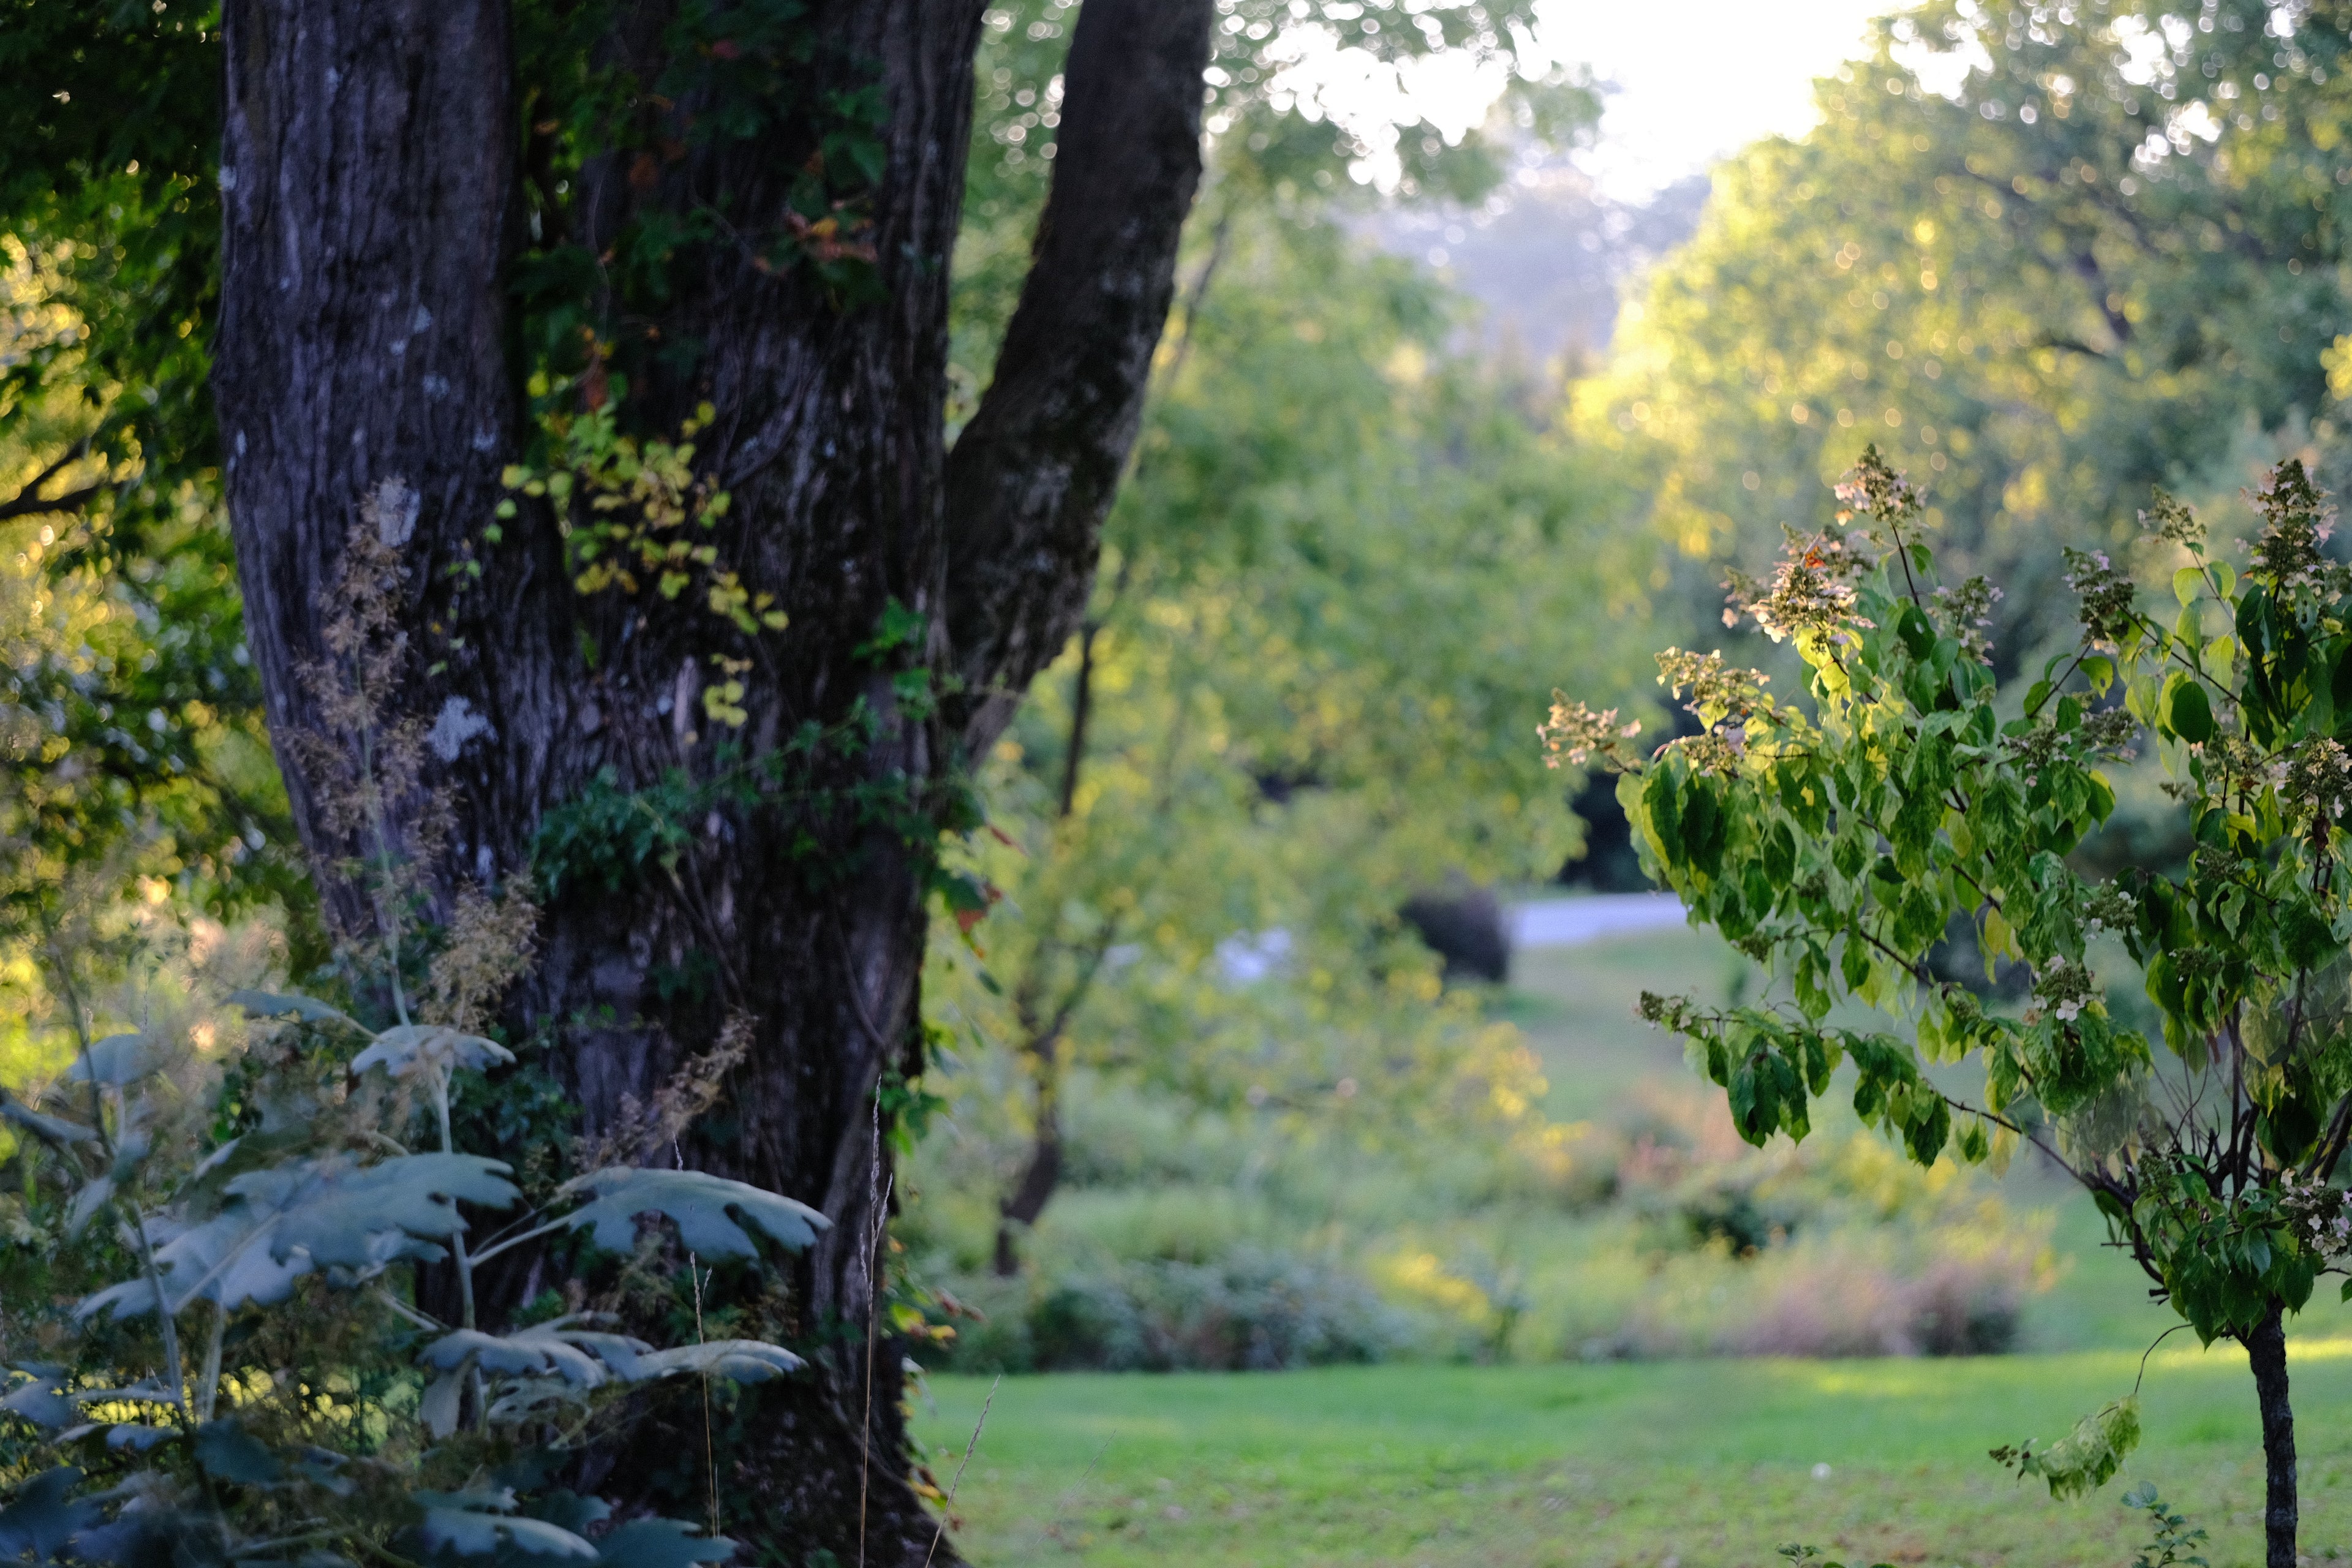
column 1033, row 475
column 26, row 502
column 2086, row 268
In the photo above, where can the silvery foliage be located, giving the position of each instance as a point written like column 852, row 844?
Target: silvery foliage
column 246, row 1224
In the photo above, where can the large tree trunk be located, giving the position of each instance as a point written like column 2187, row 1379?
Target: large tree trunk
column 2266, row 1350
column 366, row 359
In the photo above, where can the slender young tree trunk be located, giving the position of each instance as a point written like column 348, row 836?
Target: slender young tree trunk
column 1043, row 1170
column 2266, row 1350
column 1041, row 1173
column 366, row 375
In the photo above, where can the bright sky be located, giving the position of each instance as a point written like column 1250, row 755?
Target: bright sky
column 1700, row 77
column 1692, row 80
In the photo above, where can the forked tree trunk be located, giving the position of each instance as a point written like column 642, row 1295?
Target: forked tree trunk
column 366, row 349
column 2266, row 1351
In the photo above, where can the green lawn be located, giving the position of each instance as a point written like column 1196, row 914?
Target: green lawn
column 1687, row 1463
column 1576, row 1006
column 1690, row 1463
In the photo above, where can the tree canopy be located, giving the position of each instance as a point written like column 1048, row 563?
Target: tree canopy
column 2045, row 256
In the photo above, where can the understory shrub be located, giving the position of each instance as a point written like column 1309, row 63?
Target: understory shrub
column 1848, row 1303
column 1252, row 1310
column 1187, row 1241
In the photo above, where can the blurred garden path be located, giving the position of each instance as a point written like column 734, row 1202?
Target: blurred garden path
column 1572, row 922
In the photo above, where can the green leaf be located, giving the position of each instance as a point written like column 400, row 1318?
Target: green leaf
column 1662, row 799
column 49, row 1128
column 1918, row 636
column 2288, row 1130
column 2088, row 1456
column 744, row 1360
column 41, row 1401
column 2185, row 711
column 95, row 1195
column 660, row 1543
column 2188, row 630
column 1972, row 1145
column 579, row 1356
column 229, row 1453
column 281, row 1223
column 442, row 1400
column 276, row 1004
column 412, row 1047
column 115, row 1061
column 2186, row 582
column 568, row 1508
column 335, row 1213
column 41, row 1519
column 478, row 1523
column 1705, row 827
column 702, row 1205
column 898, row 628
column 1926, row 1134
column 1781, row 854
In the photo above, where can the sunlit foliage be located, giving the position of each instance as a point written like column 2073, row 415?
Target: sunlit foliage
column 2198, row 1085
column 1342, row 539
column 2045, row 255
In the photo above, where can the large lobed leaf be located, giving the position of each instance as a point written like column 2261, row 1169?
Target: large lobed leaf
column 41, row 1517
column 543, row 1349
column 661, row 1544
column 43, row 1400
column 554, row 1363
column 703, row 1206
column 487, row 1522
column 282, row 1222
column 274, row 1005
column 115, row 1061
column 49, row 1128
column 745, row 1361
column 229, row 1453
column 334, row 1212
column 480, row 1523
column 404, row 1050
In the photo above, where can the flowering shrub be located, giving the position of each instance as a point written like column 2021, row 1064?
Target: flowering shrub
column 1836, row 840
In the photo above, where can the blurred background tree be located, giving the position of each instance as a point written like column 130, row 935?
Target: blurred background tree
column 2045, row 255
column 1293, row 705
column 132, row 709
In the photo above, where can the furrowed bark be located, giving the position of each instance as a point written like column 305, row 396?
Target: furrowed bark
column 366, row 349
column 1033, row 472
column 2266, row 1351
column 367, row 208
